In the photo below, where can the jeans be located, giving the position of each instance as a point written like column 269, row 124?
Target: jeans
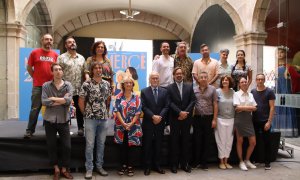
column 95, row 129
column 52, row 145
column 36, row 104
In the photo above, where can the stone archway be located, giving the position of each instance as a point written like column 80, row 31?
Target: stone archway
column 43, row 10
column 259, row 15
column 114, row 15
column 239, row 28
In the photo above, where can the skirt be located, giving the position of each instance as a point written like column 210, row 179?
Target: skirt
column 243, row 124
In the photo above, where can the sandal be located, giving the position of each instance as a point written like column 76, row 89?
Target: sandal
column 130, row 171
column 122, row 170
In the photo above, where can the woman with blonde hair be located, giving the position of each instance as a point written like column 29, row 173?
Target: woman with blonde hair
column 127, row 129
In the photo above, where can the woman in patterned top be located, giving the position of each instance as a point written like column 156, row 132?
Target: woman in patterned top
column 99, row 54
column 241, row 69
column 127, row 130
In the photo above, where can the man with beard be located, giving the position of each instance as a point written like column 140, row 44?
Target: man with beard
column 181, row 59
column 39, row 68
column 93, row 97
column 72, row 63
column 182, row 101
column 164, row 65
column 206, row 64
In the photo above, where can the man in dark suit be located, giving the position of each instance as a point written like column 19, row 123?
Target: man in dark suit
column 155, row 105
column 182, row 101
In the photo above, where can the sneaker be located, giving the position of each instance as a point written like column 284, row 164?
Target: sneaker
column 268, row 167
column 249, row 164
column 228, row 166
column 102, row 172
column 28, row 135
column 80, row 132
column 222, row 166
column 89, row 175
column 243, row 166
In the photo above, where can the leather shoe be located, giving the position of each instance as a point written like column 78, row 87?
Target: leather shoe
column 159, row 170
column 66, row 175
column 147, row 172
column 187, row 169
column 174, row 169
column 56, row 175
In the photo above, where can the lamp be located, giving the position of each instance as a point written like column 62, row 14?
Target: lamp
column 129, row 13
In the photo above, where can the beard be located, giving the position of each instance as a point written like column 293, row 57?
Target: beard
column 73, row 47
column 47, row 46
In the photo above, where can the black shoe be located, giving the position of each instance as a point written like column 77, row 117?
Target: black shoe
column 268, row 166
column 28, row 135
column 195, row 166
column 204, row 167
column 80, row 132
column 187, row 168
column 159, row 170
column 174, row 169
column 147, row 172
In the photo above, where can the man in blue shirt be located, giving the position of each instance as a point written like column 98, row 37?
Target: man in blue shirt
column 262, row 117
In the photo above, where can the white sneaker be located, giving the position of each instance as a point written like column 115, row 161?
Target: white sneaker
column 243, row 166
column 88, row 175
column 102, row 172
column 249, row 164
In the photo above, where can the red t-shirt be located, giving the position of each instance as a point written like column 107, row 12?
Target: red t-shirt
column 41, row 61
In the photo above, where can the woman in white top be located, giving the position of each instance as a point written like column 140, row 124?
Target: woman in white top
column 224, row 130
column 244, row 106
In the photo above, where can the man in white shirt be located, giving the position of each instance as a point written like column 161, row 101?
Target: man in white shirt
column 164, row 65
column 72, row 63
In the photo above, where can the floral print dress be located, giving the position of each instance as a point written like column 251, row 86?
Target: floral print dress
column 128, row 109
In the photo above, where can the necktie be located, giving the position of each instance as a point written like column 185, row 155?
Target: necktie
column 155, row 95
column 180, row 89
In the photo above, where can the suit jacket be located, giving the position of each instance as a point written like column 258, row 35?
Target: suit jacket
column 177, row 104
column 150, row 107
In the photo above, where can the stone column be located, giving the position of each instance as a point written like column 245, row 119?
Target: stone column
column 252, row 43
column 12, row 37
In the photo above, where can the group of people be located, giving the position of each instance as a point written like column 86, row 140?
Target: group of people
column 182, row 95
column 222, row 105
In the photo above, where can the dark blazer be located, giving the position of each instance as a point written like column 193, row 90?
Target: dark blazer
column 151, row 108
column 177, row 104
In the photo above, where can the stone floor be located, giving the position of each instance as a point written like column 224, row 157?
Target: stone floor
column 285, row 167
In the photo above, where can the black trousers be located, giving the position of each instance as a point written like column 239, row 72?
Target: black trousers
column 65, row 143
column 79, row 116
column 127, row 153
column 180, row 141
column 259, row 131
column 202, row 135
column 152, row 140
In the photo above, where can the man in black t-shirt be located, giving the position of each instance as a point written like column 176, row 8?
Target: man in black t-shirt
column 262, row 117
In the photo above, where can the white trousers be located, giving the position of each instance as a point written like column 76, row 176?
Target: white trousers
column 224, row 137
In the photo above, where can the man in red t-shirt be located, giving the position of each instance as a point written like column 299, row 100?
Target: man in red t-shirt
column 39, row 68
